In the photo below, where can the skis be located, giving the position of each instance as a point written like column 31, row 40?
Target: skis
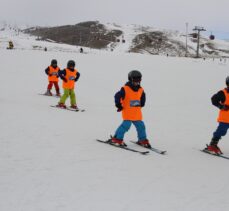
column 162, row 152
column 123, row 147
column 69, row 108
column 217, row 155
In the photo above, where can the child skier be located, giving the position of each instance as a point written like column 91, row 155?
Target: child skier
column 52, row 72
column 220, row 100
column 130, row 99
column 69, row 76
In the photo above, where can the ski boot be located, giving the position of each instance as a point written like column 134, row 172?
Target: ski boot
column 48, row 92
column 117, row 142
column 145, row 143
column 213, row 149
column 74, row 107
column 58, row 94
column 61, row 105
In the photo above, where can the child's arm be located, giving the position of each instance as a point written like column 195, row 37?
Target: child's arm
column 77, row 76
column 218, row 99
column 118, row 96
column 47, row 70
column 143, row 99
column 62, row 74
column 58, row 72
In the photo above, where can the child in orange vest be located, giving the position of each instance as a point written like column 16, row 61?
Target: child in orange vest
column 69, row 76
column 129, row 100
column 52, row 72
column 221, row 101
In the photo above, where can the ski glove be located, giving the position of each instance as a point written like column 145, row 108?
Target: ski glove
column 64, row 79
column 119, row 106
column 119, row 109
column 224, row 107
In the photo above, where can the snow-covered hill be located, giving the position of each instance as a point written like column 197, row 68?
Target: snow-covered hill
column 50, row 161
column 23, row 41
column 149, row 40
column 133, row 38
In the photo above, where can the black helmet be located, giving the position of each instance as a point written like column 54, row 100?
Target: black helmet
column 71, row 63
column 134, row 75
column 54, row 62
column 227, row 81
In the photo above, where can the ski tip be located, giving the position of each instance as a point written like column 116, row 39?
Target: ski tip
column 56, row 106
column 68, row 108
column 79, row 110
column 43, row 94
column 76, row 109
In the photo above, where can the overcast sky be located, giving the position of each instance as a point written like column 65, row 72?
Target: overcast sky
column 165, row 14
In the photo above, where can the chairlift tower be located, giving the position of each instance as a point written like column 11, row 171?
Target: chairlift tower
column 198, row 29
column 186, row 40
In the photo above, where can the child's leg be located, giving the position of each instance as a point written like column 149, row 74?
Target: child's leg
column 64, row 96
column 50, row 85
column 72, row 97
column 221, row 130
column 122, row 129
column 48, row 92
column 57, row 87
column 141, row 130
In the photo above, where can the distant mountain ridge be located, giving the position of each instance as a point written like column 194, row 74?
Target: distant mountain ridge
column 128, row 38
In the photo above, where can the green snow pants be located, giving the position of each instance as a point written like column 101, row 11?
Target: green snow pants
column 67, row 93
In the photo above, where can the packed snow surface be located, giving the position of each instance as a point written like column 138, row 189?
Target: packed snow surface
column 50, row 160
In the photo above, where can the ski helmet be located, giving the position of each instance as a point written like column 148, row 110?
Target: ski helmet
column 71, row 63
column 134, row 75
column 227, row 81
column 54, row 62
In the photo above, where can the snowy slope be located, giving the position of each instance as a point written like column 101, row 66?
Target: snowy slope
column 24, row 41
column 50, row 161
column 129, row 33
